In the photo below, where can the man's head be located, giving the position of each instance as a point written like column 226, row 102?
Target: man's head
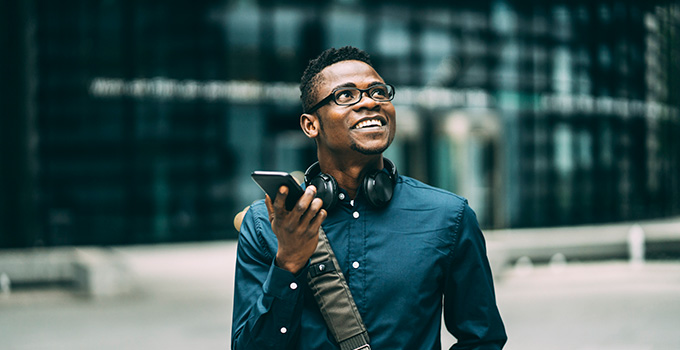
column 347, row 104
column 311, row 78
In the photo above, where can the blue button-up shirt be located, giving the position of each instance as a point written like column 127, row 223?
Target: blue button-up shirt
column 399, row 261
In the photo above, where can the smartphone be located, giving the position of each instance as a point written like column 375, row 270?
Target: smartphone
column 271, row 181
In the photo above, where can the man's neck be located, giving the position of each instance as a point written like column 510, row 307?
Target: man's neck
column 349, row 173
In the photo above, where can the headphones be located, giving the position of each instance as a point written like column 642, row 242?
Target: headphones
column 377, row 187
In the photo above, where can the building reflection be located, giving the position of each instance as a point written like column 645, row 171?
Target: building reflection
column 151, row 116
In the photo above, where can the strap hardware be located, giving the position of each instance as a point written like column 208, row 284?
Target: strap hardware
column 321, row 268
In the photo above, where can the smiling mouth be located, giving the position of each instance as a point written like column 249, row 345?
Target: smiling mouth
column 369, row 123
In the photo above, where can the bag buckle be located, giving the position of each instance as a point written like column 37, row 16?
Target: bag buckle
column 364, row 347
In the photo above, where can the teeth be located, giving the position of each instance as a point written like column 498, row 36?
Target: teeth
column 368, row 123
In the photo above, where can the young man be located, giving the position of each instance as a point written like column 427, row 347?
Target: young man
column 401, row 247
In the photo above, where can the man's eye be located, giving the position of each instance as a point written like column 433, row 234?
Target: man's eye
column 344, row 96
column 379, row 92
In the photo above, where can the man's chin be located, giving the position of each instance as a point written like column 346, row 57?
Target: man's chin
column 370, row 150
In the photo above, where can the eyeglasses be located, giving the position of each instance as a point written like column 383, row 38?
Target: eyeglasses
column 347, row 96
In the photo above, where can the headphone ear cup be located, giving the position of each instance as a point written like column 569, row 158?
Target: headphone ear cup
column 326, row 190
column 378, row 188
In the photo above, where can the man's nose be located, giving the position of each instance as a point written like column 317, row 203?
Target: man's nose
column 367, row 102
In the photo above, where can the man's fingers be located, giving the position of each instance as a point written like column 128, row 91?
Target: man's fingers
column 280, row 200
column 312, row 211
column 270, row 207
column 318, row 220
column 305, row 217
column 305, row 200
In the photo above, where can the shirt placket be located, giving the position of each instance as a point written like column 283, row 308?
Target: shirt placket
column 357, row 257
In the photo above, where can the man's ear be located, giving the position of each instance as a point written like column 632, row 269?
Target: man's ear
column 310, row 125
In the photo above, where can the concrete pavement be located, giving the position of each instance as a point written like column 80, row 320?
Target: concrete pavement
column 183, row 294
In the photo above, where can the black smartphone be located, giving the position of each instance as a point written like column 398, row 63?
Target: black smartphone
column 271, row 181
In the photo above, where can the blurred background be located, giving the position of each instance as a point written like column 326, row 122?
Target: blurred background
column 130, row 127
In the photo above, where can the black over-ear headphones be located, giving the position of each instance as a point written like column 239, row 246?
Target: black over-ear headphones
column 377, row 187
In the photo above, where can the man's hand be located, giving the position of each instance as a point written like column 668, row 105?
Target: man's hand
column 297, row 230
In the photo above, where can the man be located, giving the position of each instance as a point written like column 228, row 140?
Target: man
column 399, row 257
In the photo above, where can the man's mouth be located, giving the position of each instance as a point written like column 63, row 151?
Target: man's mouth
column 369, row 123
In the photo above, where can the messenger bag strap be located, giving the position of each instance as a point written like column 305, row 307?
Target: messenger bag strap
column 334, row 298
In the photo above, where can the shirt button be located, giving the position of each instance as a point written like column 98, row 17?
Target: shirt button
column 355, row 264
column 341, row 196
column 284, row 330
column 293, row 286
column 356, row 214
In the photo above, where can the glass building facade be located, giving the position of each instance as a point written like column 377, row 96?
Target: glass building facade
column 143, row 120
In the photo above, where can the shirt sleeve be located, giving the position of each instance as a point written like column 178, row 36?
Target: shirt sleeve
column 470, row 310
column 267, row 299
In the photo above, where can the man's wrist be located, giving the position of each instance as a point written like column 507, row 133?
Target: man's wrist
column 291, row 266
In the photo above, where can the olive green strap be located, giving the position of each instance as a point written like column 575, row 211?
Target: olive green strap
column 334, row 298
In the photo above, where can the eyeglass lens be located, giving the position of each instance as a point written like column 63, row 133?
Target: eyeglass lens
column 351, row 95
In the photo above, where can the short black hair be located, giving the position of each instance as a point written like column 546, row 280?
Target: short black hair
column 310, row 78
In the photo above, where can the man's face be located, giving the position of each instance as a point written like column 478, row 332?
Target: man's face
column 367, row 127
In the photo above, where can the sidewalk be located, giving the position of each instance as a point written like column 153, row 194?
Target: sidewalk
column 181, row 300
column 183, row 296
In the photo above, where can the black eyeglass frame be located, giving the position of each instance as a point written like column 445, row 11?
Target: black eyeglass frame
column 331, row 97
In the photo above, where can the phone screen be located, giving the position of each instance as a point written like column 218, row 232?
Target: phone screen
column 271, row 181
